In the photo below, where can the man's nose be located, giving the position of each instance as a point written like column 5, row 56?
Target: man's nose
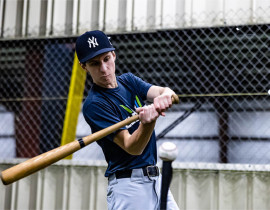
column 103, row 67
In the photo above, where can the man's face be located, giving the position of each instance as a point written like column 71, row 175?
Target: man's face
column 102, row 69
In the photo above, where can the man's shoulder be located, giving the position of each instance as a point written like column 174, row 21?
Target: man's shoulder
column 92, row 100
column 127, row 78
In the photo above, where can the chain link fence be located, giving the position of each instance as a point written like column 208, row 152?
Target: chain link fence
column 232, row 62
column 34, row 83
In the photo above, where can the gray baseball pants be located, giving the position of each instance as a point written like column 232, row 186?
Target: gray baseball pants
column 138, row 192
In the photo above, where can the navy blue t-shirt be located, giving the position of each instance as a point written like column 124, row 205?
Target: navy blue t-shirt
column 104, row 107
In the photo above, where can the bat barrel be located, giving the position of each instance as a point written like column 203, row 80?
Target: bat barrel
column 37, row 163
column 41, row 161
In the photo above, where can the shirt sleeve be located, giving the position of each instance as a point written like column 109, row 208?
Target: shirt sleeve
column 142, row 87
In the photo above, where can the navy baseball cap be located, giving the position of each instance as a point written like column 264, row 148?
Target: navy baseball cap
column 91, row 44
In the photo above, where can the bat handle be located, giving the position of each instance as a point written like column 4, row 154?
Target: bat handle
column 165, row 183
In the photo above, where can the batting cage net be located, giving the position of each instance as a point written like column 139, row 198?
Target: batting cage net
column 221, row 74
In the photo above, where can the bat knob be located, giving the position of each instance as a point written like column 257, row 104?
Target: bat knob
column 175, row 99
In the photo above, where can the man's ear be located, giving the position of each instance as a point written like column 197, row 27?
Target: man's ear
column 83, row 65
column 114, row 55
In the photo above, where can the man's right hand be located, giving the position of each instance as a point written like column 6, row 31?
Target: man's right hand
column 147, row 114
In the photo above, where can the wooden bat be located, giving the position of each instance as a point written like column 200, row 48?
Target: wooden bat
column 39, row 162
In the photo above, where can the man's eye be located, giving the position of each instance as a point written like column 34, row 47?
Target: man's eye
column 106, row 59
column 93, row 63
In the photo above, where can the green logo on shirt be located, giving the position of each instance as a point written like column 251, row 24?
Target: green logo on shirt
column 137, row 104
column 131, row 111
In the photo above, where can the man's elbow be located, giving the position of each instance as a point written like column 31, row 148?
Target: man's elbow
column 133, row 151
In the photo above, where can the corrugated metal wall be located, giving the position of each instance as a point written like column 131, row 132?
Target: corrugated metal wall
column 32, row 18
column 66, row 185
column 82, row 185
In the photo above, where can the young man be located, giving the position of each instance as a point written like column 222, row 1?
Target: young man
column 131, row 153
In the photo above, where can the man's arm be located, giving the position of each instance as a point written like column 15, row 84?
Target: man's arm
column 136, row 142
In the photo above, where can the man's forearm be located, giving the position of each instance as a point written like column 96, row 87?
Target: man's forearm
column 140, row 138
column 167, row 91
column 156, row 91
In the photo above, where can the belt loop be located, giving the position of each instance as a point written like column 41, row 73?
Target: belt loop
column 137, row 175
column 112, row 179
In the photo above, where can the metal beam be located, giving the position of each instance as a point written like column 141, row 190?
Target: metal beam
column 122, row 15
column 95, row 15
column 43, row 17
column 19, row 18
column 151, row 14
column 69, row 17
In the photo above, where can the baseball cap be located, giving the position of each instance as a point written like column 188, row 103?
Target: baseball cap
column 91, row 44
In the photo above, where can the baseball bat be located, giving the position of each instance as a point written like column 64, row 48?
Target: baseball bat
column 39, row 162
column 165, row 183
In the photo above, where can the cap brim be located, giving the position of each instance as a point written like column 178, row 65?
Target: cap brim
column 96, row 54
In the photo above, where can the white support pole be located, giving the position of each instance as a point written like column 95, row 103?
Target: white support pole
column 95, row 14
column 252, row 11
column 75, row 20
column 122, row 15
column 161, row 13
column 25, row 19
column 104, row 15
column 151, row 14
column 69, row 17
column 43, row 17
column 51, row 30
column 224, row 13
column 180, row 13
column 132, row 14
column 2, row 15
column 19, row 18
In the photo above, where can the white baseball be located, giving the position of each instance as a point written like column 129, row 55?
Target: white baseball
column 168, row 151
column 268, row 92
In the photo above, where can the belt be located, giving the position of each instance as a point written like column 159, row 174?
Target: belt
column 149, row 171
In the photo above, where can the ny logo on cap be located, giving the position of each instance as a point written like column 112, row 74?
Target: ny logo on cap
column 93, row 42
